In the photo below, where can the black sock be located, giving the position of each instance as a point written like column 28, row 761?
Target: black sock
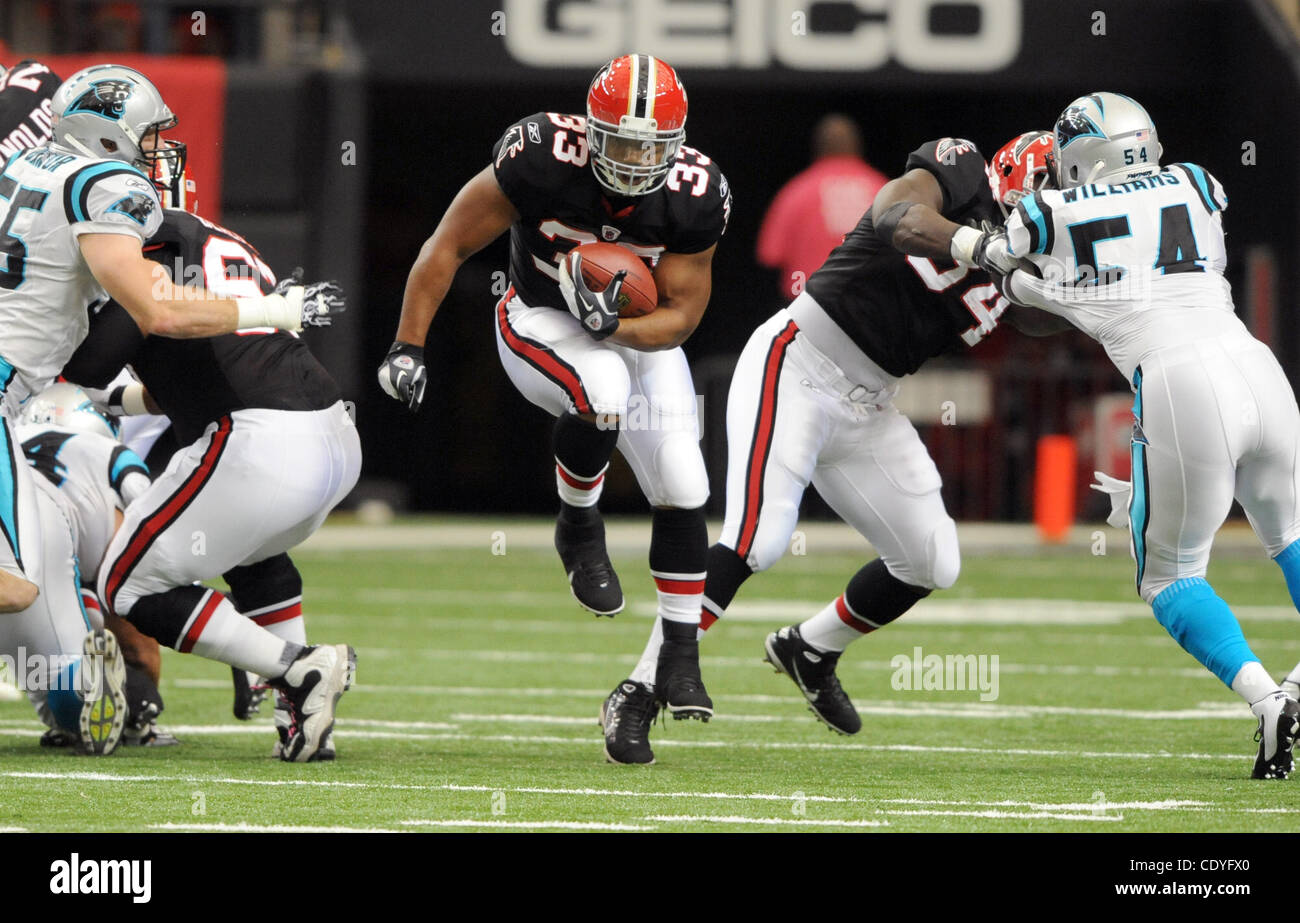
column 266, row 583
column 727, row 571
column 878, row 596
column 162, row 616
column 583, row 449
column 678, row 631
column 679, row 542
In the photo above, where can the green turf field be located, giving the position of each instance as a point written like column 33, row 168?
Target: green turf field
column 479, row 683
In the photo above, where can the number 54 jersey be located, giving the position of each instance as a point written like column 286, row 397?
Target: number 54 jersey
column 48, row 198
column 1137, row 265
column 541, row 164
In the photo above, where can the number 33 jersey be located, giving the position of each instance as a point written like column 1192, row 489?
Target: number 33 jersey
column 48, row 198
column 1136, row 265
column 542, row 165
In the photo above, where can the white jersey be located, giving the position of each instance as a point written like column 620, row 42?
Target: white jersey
column 48, row 198
column 1136, row 265
column 96, row 476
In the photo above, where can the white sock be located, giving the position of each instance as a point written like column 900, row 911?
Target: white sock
column 1253, row 683
column 282, row 619
column 576, row 490
column 1294, row 675
column 227, row 636
column 834, row 628
column 649, row 662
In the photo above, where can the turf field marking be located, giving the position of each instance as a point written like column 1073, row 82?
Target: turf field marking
column 1012, row 815
column 628, row 793
column 526, row 824
column 267, row 828
column 579, row 721
column 1167, row 805
column 762, row 821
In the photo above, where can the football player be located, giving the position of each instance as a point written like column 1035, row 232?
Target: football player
column 75, row 215
column 1132, row 253
column 74, row 447
column 26, row 119
column 811, row 400
column 619, row 173
column 271, row 450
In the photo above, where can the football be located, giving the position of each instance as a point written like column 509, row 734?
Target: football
column 600, row 261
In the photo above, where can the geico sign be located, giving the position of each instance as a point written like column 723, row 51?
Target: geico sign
column 758, row 33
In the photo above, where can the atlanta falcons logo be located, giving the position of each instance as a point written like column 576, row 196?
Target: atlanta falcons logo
column 512, row 144
column 105, row 98
column 949, row 149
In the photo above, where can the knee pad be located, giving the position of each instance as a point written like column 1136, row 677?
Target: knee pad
column 266, row 583
column 606, row 382
column 681, row 479
column 941, row 562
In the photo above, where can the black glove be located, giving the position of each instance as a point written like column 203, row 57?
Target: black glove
column 596, row 311
column 403, row 375
column 320, row 300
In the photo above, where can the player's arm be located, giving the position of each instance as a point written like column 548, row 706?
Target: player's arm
column 906, row 215
column 478, row 215
column 159, row 307
column 684, row 281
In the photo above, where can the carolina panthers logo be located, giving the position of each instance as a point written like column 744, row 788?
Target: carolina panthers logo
column 512, row 144
column 1075, row 123
column 136, row 206
column 106, row 98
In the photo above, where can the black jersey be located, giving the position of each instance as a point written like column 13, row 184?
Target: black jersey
column 197, row 381
column 25, row 116
column 541, row 164
column 902, row 310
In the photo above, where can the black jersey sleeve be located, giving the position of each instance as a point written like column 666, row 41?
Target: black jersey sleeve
column 538, row 154
column 959, row 167
column 110, row 345
column 25, row 118
column 701, row 202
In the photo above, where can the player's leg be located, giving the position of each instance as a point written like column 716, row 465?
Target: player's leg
column 1194, row 420
column 20, row 546
column 585, row 385
column 660, row 440
column 240, row 486
column 879, row 478
column 269, row 593
column 768, row 413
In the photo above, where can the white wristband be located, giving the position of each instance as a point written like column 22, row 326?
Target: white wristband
column 962, row 246
column 283, row 312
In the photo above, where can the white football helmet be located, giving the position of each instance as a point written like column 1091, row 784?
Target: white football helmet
column 107, row 111
column 1103, row 134
column 65, row 406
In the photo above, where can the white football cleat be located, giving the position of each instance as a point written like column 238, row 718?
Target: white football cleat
column 313, row 685
column 103, row 693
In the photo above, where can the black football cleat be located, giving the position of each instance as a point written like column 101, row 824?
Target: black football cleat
column 678, row 685
column 813, row 671
column 250, row 692
column 626, row 717
column 1279, row 724
column 586, row 562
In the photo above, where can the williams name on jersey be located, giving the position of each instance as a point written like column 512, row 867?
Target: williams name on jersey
column 541, row 164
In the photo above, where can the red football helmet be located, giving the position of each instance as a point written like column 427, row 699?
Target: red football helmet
column 167, row 170
column 636, row 123
column 1022, row 167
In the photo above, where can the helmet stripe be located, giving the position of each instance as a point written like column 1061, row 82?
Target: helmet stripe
column 650, row 87
column 632, row 84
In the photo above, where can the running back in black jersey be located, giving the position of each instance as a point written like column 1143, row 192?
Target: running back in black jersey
column 198, row 381
column 541, row 164
column 25, row 117
column 902, row 310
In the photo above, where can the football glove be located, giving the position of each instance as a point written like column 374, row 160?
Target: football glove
column 1119, row 493
column 403, row 375
column 596, row 311
column 986, row 250
column 320, row 300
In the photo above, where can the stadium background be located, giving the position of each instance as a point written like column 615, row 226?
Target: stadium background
column 333, row 135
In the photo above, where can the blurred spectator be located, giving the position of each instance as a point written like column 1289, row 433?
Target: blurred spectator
column 814, row 210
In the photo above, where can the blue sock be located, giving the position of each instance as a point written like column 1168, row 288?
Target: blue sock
column 1204, row 626
column 64, row 697
column 1289, row 561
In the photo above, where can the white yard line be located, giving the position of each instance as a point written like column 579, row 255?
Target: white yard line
column 1011, row 815
column 763, row 821
column 629, row 793
column 1094, row 806
column 267, row 828
column 526, row 824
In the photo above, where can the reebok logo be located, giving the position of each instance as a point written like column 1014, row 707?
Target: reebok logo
column 75, row 875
